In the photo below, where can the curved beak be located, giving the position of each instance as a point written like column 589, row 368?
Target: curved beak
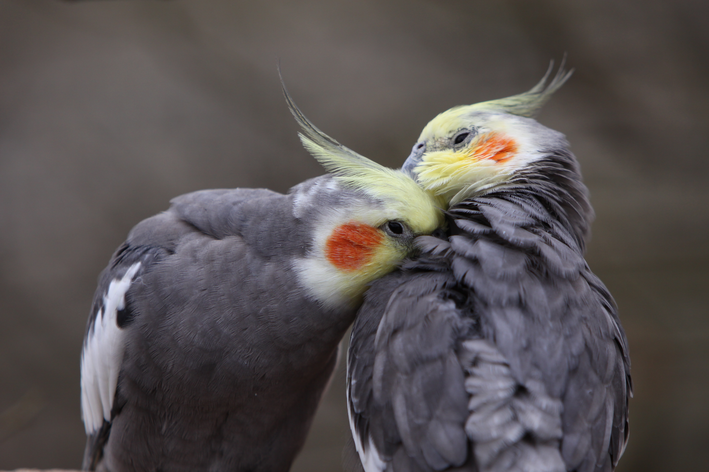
column 414, row 158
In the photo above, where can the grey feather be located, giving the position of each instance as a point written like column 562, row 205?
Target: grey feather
column 542, row 357
column 218, row 373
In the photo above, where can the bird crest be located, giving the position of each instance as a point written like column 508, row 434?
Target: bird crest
column 471, row 149
column 356, row 171
column 530, row 103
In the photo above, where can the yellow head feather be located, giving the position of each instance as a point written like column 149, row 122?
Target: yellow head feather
column 530, row 103
column 484, row 162
column 527, row 104
column 449, row 173
column 395, row 187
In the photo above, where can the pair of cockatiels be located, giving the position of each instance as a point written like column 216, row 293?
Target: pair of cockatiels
column 214, row 330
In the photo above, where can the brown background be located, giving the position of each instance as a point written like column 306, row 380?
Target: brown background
column 109, row 109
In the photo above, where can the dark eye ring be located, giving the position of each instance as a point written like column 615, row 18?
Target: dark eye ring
column 461, row 137
column 395, row 228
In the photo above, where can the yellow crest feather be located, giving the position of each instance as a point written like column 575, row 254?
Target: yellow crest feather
column 457, row 174
column 398, row 189
column 530, row 103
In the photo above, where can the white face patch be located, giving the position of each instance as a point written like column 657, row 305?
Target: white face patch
column 102, row 355
column 322, row 281
column 458, row 174
column 531, row 138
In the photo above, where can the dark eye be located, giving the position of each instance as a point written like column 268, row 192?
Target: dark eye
column 460, row 137
column 395, row 228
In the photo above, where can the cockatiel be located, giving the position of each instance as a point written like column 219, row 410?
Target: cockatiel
column 497, row 349
column 215, row 327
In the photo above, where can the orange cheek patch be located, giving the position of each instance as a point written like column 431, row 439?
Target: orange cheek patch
column 352, row 245
column 495, row 147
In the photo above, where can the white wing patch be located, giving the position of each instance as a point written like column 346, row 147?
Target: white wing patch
column 371, row 462
column 102, row 355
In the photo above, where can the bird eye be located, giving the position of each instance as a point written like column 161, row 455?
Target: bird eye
column 395, row 228
column 460, row 137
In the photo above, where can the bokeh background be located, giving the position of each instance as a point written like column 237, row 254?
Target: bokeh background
column 110, row 108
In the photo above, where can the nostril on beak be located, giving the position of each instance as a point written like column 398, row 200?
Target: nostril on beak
column 415, row 157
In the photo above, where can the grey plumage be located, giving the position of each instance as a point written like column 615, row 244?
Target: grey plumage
column 215, row 328
column 497, row 349
column 208, row 348
column 203, row 377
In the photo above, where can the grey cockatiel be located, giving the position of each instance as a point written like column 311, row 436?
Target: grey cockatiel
column 215, row 327
column 497, row 349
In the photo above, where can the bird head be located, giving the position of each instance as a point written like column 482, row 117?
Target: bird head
column 366, row 218
column 474, row 150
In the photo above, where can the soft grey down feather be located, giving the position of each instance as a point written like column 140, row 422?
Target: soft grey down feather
column 497, row 349
column 226, row 356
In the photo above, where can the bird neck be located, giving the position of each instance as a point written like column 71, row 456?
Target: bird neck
column 554, row 185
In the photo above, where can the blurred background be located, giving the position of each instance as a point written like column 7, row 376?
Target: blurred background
column 108, row 109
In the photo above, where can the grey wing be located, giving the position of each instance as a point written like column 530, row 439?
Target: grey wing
column 221, row 212
column 595, row 418
column 554, row 344
column 104, row 342
column 513, row 425
column 517, row 425
column 560, row 357
column 542, row 366
column 427, row 392
column 204, row 214
column 406, row 394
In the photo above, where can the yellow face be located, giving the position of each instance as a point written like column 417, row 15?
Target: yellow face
column 361, row 253
column 368, row 238
column 467, row 151
column 353, row 246
column 471, row 149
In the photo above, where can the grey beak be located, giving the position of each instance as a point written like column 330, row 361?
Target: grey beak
column 414, row 158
